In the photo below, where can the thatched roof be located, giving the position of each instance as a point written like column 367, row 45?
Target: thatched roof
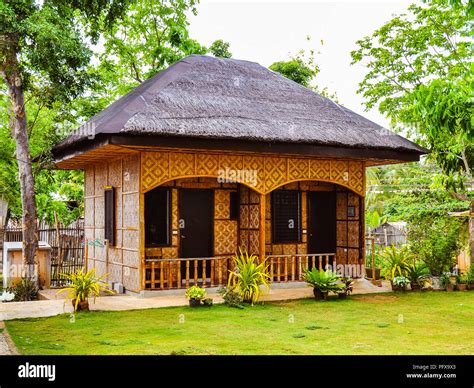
column 214, row 98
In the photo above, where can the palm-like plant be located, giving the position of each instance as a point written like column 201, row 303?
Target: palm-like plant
column 395, row 261
column 324, row 281
column 82, row 286
column 248, row 276
column 415, row 271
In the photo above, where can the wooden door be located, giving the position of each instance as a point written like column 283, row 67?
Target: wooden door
column 322, row 222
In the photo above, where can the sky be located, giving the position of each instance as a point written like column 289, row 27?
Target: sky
column 266, row 31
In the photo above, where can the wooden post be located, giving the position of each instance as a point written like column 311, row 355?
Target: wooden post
column 262, row 227
column 374, row 273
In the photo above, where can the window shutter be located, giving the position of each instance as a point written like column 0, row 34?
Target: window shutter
column 109, row 222
column 286, row 216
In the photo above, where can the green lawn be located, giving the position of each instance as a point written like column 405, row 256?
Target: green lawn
column 433, row 323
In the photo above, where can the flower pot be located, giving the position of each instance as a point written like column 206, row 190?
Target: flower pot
column 415, row 287
column 368, row 273
column 194, row 302
column 81, row 306
column 396, row 287
column 342, row 295
column 449, row 287
column 319, row 295
column 461, row 287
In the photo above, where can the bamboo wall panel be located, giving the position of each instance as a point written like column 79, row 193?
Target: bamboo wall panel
column 225, row 237
column 123, row 261
column 271, row 171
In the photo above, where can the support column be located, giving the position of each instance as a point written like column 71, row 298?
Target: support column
column 262, row 227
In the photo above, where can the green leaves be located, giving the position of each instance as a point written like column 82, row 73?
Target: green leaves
column 248, row 276
column 419, row 75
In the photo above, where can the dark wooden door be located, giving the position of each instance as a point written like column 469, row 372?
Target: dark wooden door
column 322, row 222
column 196, row 226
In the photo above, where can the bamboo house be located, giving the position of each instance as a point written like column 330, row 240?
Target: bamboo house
column 214, row 154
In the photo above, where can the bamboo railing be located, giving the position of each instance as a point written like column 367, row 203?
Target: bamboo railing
column 163, row 274
column 290, row 268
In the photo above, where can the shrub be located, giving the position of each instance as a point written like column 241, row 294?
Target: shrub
column 84, row 285
column 249, row 275
column 395, row 261
column 25, row 290
column 415, row 271
column 437, row 242
column 324, row 281
column 231, row 297
column 401, row 281
column 195, row 292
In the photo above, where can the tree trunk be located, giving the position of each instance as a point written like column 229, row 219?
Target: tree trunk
column 18, row 125
column 471, row 233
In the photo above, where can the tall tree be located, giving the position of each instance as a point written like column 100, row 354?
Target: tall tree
column 152, row 36
column 44, row 51
column 419, row 75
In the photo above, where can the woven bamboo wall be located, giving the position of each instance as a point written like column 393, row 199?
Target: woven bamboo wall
column 249, row 221
column 123, row 264
column 271, row 171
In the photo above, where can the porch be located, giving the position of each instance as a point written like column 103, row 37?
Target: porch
column 166, row 274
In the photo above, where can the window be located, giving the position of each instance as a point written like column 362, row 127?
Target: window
column 234, row 205
column 157, row 217
column 109, row 213
column 286, row 216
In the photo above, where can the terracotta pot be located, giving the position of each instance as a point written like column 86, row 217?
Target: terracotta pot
column 319, row 295
column 194, row 302
column 461, row 287
column 81, row 306
column 449, row 287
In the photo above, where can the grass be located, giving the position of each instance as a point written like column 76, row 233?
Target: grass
column 411, row 323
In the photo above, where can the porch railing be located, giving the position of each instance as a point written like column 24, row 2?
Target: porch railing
column 163, row 274
column 286, row 268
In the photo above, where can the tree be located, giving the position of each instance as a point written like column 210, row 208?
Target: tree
column 43, row 51
column 419, row 75
column 150, row 37
column 220, row 49
column 303, row 69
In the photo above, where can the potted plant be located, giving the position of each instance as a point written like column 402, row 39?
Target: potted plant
column 82, row 286
column 249, row 276
column 322, row 282
column 400, row 283
column 446, row 282
column 395, row 262
column 470, row 278
column 462, row 282
column 345, row 287
column 415, row 272
column 195, row 294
